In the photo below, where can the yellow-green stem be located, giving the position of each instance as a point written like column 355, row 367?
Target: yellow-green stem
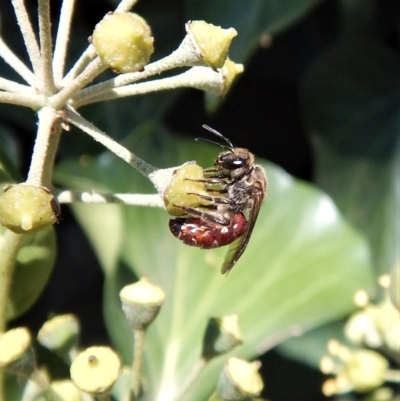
column 215, row 397
column 393, row 376
column 192, row 377
column 9, row 247
column 103, row 397
column 38, row 379
column 138, row 345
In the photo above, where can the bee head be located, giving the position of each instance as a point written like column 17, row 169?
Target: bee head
column 235, row 162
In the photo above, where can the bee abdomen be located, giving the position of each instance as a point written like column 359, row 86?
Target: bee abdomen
column 197, row 232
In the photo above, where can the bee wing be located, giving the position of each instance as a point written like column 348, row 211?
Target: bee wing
column 236, row 249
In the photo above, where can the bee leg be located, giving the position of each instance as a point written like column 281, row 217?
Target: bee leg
column 210, row 180
column 205, row 216
column 212, row 170
column 218, row 191
column 222, row 185
column 215, row 199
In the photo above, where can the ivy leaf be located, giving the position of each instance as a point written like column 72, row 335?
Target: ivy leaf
column 300, row 270
column 32, row 271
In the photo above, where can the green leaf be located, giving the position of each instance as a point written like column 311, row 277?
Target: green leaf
column 300, row 270
column 32, row 271
column 251, row 18
column 352, row 105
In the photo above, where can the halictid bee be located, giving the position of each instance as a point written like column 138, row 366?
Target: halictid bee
column 236, row 188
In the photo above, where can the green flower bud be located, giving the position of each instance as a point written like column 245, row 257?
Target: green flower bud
column 27, row 208
column 66, row 390
column 123, row 41
column 141, row 303
column 182, row 184
column 365, row 370
column 221, row 336
column 95, row 370
column 239, row 380
column 213, row 41
column 60, row 334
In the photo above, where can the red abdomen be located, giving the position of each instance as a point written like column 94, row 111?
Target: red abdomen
column 197, row 232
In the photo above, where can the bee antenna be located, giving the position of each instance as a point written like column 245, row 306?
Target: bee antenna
column 230, row 146
column 213, row 143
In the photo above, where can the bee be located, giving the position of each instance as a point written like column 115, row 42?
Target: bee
column 236, row 187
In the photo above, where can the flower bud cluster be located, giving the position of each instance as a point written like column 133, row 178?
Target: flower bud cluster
column 359, row 370
column 376, row 326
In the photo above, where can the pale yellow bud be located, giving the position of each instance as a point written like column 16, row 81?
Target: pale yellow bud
column 221, row 336
column 239, row 380
column 95, row 370
column 13, row 344
column 213, row 41
column 123, row 41
column 141, row 303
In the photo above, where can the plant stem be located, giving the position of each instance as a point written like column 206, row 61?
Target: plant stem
column 9, row 247
column 30, row 41
column 186, row 55
column 44, row 151
column 138, row 345
column 20, row 99
column 15, row 63
column 202, row 78
column 95, row 68
column 46, row 53
column 12, row 86
column 62, row 39
column 74, row 118
column 39, row 380
column 194, row 374
column 87, row 56
column 125, row 6
column 103, row 397
column 149, row 200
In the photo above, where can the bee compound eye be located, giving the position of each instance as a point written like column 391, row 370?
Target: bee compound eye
column 233, row 164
